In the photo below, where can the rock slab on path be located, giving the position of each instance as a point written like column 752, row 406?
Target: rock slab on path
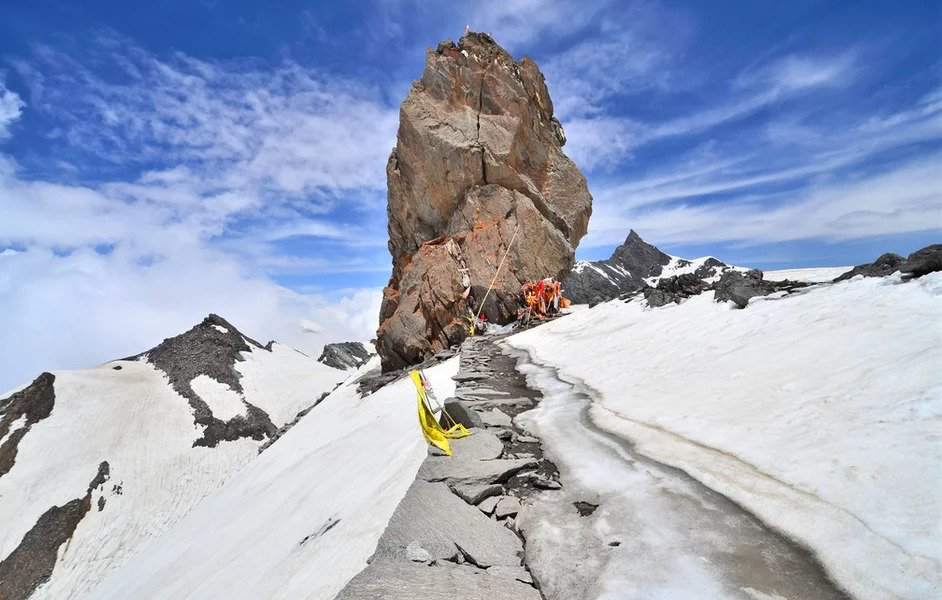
column 432, row 518
column 386, row 579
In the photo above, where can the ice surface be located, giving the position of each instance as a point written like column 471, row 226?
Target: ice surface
column 818, row 412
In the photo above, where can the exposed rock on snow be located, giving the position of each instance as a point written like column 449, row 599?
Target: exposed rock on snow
column 924, row 261
column 212, row 348
column 21, row 411
column 478, row 158
column 625, row 271
column 887, row 264
column 345, row 355
column 637, row 266
column 674, row 289
column 921, row 262
column 738, row 287
column 135, row 424
column 31, row 563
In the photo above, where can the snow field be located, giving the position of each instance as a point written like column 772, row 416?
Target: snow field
column 134, row 420
column 818, row 412
column 301, row 519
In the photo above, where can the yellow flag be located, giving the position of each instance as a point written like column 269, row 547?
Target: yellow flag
column 431, row 429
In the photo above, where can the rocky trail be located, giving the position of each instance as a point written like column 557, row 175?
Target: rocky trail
column 500, row 520
column 456, row 527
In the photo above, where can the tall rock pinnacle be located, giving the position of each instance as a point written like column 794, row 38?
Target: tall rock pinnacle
column 478, row 157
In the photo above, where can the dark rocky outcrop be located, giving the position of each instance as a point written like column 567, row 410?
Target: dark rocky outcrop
column 674, row 289
column 739, row 286
column 921, row 262
column 478, row 159
column 603, row 280
column 212, row 348
column 33, row 404
column 345, row 355
column 30, row 564
column 887, row 264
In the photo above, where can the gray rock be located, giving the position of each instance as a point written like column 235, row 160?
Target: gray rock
column 212, row 348
column 461, row 413
column 543, row 482
column 496, row 418
column 434, row 519
column 924, row 261
column 474, row 493
column 345, row 355
column 674, row 289
column 489, row 504
column 739, row 287
column 462, row 471
column 480, row 445
column 527, row 439
column 416, row 553
column 507, row 506
column 886, row 264
column 404, row 580
column 710, row 268
column 519, row 573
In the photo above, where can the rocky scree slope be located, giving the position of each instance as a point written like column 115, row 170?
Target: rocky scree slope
column 478, row 158
column 95, row 463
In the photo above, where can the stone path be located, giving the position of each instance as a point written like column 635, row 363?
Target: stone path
column 494, row 521
column 454, row 530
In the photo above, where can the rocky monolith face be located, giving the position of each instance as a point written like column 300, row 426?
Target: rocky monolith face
column 478, row 158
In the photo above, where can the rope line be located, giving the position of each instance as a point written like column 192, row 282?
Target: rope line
column 496, row 273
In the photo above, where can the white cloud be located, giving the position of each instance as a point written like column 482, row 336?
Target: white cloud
column 85, row 308
column 520, row 22
column 226, row 161
column 11, row 106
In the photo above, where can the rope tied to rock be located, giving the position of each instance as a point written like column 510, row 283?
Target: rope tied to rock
column 494, row 280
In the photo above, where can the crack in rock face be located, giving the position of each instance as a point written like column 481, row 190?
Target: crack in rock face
column 19, row 412
column 478, row 158
column 212, row 348
column 31, row 563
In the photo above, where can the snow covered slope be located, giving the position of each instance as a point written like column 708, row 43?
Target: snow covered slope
column 818, row 412
column 301, row 519
column 97, row 462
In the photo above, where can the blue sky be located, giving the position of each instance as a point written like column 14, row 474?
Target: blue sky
column 165, row 160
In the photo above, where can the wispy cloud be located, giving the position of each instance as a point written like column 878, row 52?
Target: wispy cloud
column 217, row 167
column 11, row 106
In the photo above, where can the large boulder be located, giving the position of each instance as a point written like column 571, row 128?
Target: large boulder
column 478, row 159
column 924, row 261
column 739, row 286
column 887, row 264
column 921, row 262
